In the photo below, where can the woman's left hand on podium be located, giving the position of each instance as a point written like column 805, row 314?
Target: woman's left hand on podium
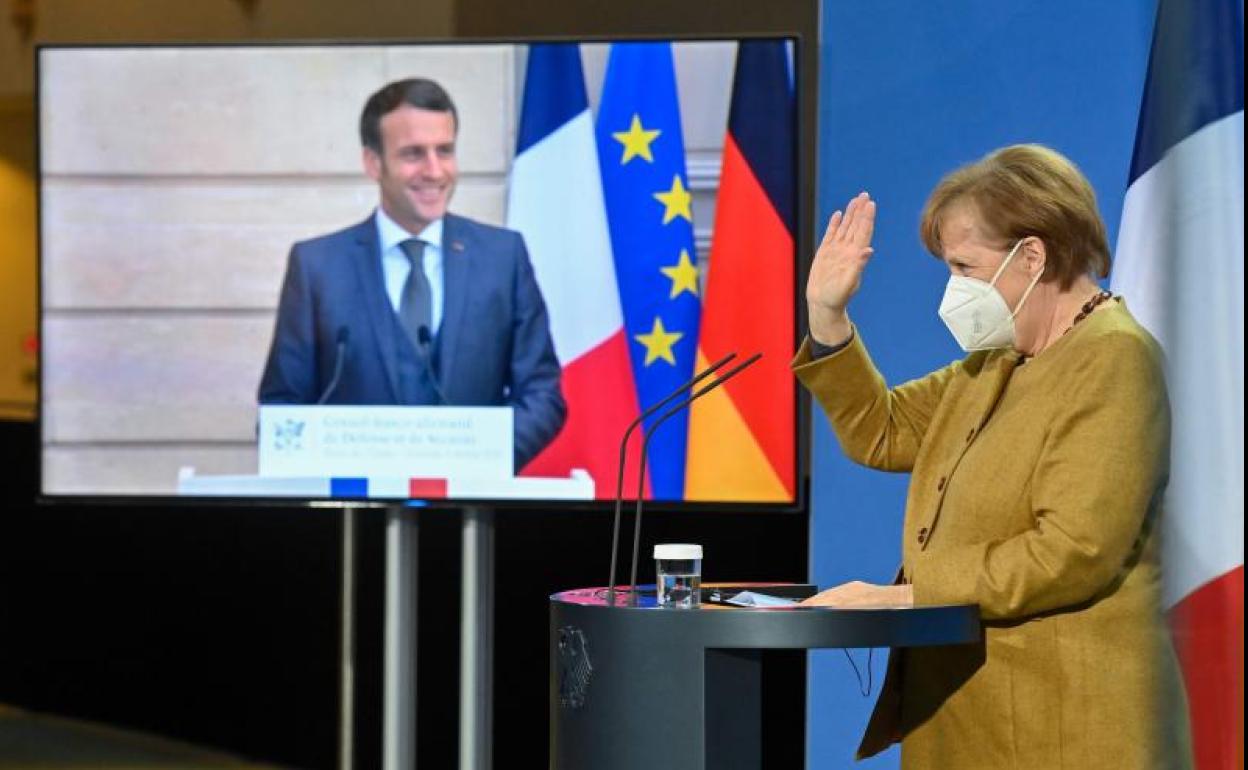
column 857, row 594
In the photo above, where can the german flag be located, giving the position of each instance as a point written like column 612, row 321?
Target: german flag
column 741, row 437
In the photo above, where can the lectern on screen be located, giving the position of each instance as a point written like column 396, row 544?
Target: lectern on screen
column 254, row 289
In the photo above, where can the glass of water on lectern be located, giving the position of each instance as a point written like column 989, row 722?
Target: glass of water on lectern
column 678, row 574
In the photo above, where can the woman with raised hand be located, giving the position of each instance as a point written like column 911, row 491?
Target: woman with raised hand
column 1038, row 464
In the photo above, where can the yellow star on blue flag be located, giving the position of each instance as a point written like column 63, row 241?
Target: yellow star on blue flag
column 677, row 202
column 658, row 343
column 684, row 275
column 636, row 141
column 641, row 154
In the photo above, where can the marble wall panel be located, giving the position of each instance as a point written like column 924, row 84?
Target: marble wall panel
column 137, row 470
column 200, row 244
column 153, row 377
column 212, row 110
column 234, row 110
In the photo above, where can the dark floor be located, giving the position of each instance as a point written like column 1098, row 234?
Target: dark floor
column 30, row 741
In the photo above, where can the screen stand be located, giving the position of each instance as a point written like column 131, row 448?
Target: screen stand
column 475, row 646
column 476, row 674
column 399, row 687
column 346, row 644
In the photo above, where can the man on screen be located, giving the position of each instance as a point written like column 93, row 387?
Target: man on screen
column 416, row 305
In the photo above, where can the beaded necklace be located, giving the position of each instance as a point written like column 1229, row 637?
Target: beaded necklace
column 1099, row 298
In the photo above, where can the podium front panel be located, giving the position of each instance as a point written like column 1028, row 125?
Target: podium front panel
column 640, row 686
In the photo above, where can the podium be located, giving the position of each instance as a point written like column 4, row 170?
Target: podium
column 649, row 687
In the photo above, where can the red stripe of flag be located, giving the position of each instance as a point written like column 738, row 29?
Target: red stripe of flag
column 601, row 404
column 1208, row 629
column 748, row 307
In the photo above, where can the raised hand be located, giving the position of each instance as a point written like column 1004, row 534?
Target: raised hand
column 836, row 272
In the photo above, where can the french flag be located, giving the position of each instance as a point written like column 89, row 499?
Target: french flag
column 1180, row 265
column 555, row 200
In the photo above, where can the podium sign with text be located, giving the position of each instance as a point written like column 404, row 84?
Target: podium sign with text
column 400, row 441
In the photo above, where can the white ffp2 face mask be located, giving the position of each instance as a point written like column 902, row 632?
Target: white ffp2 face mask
column 976, row 313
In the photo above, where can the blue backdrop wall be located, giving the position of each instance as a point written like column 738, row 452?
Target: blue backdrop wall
column 909, row 91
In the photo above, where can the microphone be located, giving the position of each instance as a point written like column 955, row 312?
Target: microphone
column 645, row 445
column 340, row 357
column 424, row 341
column 619, row 479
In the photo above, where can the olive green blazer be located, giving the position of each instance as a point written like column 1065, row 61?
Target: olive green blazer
column 1035, row 493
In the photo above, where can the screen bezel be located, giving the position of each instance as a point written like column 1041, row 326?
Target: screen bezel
column 804, row 72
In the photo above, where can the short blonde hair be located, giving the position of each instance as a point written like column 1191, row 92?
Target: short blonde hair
column 1027, row 190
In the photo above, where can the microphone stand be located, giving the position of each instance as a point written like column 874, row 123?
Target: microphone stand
column 619, row 479
column 645, row 445
column 424, row 348
column 340, row 357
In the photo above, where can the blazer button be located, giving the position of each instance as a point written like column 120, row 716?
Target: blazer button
column 922, row 535
column 940, row 485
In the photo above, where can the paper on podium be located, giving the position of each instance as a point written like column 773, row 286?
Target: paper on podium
column 752, row 599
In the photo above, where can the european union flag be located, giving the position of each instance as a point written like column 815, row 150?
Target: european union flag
column 650, row 214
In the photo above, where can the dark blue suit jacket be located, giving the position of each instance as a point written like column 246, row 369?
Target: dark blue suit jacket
column 493, row 347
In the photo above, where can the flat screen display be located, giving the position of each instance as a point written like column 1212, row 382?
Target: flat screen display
column 443, row 272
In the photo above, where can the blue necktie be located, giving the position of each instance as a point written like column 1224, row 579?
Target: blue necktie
column 416, row 304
